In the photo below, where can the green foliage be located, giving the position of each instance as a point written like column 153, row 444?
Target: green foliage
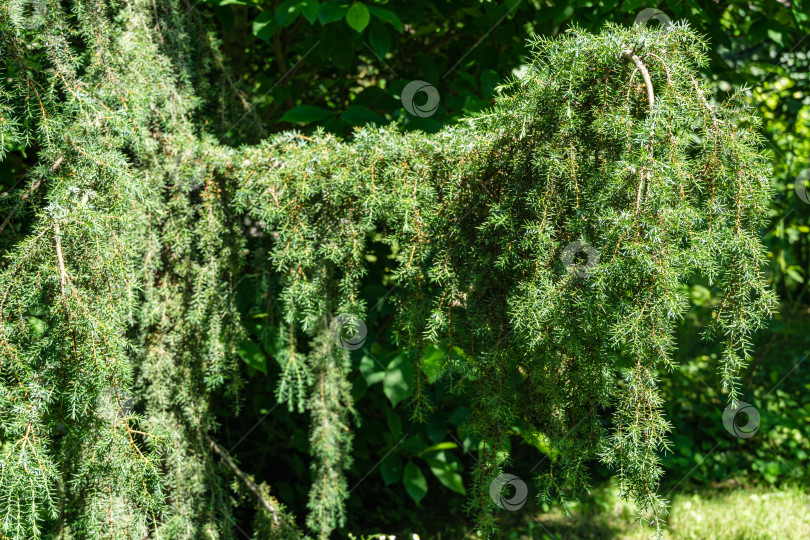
column 480, row 215
column 414, row 481
column 121, row 317
column 775, row 384
column 112, row 331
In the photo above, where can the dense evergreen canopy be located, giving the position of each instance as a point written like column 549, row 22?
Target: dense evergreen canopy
column 118, row 302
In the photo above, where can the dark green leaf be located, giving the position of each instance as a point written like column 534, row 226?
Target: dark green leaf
column 358, row 115
column 380, row 40
column 414, row 481
column 397, row 383
column 358, row 17
column 563, row 12
column 332, row 11
column 264, row 26
column 446, row 467
column 387, row 16
column 371, row 370
column 287, row 13
column 391, row 469
column 394, row 423
column 458, row 416
column 432, row 359
column 253, row 355
column 309, row 9
column 776, row 35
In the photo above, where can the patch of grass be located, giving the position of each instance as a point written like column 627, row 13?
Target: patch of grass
column 730, row 515
column 742, row 515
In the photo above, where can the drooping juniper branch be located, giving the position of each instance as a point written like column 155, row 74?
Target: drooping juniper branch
column 482, row 211
column 250, row 484
column 628, row 54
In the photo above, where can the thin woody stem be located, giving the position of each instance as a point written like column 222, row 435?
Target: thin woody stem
column 268, row 505
column 60, row 258
column 627, row 53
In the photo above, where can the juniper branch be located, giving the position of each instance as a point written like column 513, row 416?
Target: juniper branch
column 628, row 53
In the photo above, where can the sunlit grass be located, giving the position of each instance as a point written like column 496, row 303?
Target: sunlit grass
column 731, row 515
column 742, row 515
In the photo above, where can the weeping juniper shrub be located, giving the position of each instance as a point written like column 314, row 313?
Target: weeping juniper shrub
column 125, row 244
